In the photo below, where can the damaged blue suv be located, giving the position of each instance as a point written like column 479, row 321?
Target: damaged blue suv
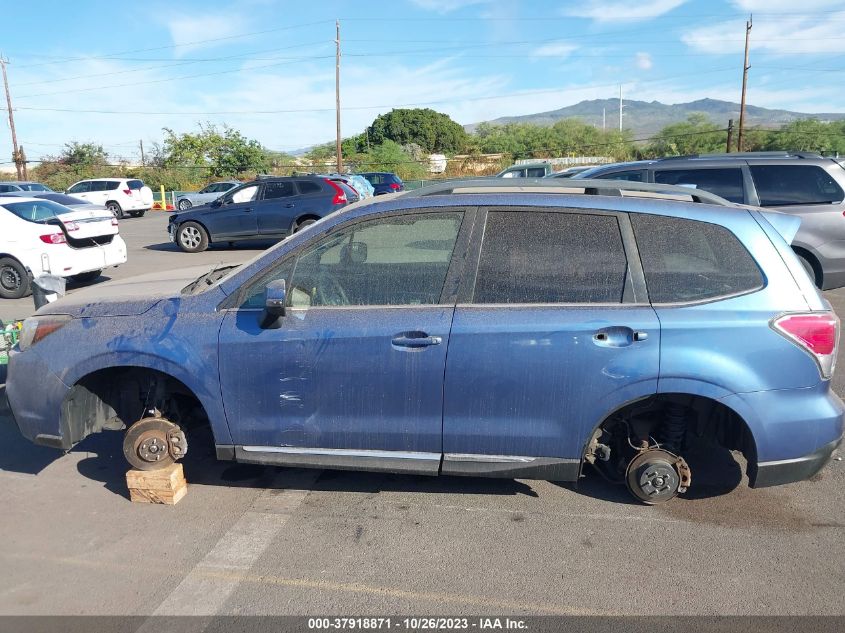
column 520, row 329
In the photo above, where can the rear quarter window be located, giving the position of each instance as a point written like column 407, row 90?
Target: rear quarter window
column 306, row 187
column 786, row 185
column 688, row 260
column 135, row 184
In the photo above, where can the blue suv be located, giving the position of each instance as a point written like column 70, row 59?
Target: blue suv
column 473, row 328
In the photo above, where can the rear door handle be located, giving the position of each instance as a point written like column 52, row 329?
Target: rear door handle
column 618, row 336
column 415, row 340
column 290, row 205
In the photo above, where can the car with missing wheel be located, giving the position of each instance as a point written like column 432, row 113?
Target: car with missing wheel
column 122, row 196
column 269, row 208
column 522, row 329
column 39, row 236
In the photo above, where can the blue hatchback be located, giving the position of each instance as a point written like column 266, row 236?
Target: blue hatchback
column 478, row 328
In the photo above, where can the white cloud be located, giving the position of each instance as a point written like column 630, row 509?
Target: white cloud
column 555, row 49
column 785, row 6
column 446, row 6
column 622, row 11
column 793, row 33
column 644, row 61
column 185, row 29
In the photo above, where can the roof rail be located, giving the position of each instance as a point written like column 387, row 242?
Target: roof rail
column 777, row 154
column 575, row 186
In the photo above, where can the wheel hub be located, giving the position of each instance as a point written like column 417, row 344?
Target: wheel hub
column 655, row 476
column 153, row 443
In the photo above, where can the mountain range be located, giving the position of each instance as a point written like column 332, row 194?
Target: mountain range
column 646, row 118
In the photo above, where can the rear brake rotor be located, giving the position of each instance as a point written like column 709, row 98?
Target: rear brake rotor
column 656, row 476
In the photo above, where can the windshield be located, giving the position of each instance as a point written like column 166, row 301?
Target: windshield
column 37, row 210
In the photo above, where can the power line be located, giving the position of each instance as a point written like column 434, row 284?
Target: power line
column 367, row 107
column 169, row 46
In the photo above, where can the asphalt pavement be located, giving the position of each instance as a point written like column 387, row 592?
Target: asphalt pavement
column 262, row 540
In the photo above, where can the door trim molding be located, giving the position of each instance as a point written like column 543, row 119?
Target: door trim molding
column 341, row 459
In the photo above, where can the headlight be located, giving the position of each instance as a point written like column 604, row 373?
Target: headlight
column 36, row 328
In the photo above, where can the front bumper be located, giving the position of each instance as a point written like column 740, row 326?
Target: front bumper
column 35, row 396
column 789, row 470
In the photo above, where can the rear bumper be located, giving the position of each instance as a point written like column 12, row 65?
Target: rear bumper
column 789, row 470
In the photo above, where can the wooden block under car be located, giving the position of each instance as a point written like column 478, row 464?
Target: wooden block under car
column 165, row 485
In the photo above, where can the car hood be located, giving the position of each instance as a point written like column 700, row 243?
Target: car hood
column 125, row 297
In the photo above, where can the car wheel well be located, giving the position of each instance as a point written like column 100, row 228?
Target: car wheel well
column 701, row 419
column 302, row 218
column 811, row 259
column 116, row 397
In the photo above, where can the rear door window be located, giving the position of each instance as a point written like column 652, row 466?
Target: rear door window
column 551, row 257
column 536, row 172
column 786, row 185
column 687, row 260
column 281, row 189
column 724, row 182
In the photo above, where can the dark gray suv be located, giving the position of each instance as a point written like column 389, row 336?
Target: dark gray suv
column 806, row 185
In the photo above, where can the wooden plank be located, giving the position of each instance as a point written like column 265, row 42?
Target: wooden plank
column 165, row 485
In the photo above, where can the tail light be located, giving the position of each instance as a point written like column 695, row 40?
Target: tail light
column 54, row 238
column 817, row 333
column 71, row 226
column 395, row 186
column 128, row 192
column 339, row 194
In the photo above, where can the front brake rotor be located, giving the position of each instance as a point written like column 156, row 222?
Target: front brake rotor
column 153, row 443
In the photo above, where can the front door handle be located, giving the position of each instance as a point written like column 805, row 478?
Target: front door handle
column 290, row 205
column 415, row 340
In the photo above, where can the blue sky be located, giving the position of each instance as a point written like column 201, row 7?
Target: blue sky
column 115, row 73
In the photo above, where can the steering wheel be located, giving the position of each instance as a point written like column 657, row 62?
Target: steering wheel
column 330, row 292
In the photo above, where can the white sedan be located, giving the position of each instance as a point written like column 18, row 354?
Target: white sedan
column 41, row 236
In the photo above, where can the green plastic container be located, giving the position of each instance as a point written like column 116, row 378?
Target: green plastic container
column 8, row 339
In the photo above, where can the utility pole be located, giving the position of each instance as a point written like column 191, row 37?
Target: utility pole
column 620, row 107
column 730, row 136
column 603, row 119
column 745, row 68
column 20, row 167
column 143, row 161
column 337, row 96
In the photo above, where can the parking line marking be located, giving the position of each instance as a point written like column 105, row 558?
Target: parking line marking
column 205, row 589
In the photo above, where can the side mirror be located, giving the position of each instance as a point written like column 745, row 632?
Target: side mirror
column 275, row 297
column 216, row 202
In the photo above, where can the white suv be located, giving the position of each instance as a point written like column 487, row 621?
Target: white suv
column 122, row 196
column 41, row 236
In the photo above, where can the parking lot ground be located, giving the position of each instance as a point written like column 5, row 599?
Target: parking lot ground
column 263, row 540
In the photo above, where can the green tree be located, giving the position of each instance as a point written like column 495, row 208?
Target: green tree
column 390, row 156
column 83, row 154
column 697, row 135
column 809, row 135
column 224, row 152
column 433, row 131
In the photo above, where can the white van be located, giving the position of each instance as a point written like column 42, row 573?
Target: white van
column 122, row 196
column 41, row 236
